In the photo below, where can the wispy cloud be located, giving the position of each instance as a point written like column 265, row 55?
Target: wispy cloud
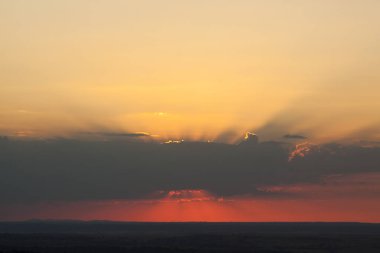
column 123, row 134
column 294, row 136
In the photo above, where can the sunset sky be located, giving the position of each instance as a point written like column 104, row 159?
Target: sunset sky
column 90, row 91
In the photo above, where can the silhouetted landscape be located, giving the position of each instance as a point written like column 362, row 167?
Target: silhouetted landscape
column 104, row 236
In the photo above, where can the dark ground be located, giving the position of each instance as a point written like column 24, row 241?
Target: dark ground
column 83, row 237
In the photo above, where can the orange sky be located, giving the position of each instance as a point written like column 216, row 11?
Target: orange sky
column 189, row 69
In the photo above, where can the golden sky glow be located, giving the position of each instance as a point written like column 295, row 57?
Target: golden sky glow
column 190, row 69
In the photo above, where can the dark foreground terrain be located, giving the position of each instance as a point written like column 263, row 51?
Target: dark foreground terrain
column 73, row 236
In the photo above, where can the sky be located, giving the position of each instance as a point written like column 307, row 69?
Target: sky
column 90, row 91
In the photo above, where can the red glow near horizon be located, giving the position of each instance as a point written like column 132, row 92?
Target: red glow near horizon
column 248, row 210
column 191, row 205
column 338, row 199
column 207, row 210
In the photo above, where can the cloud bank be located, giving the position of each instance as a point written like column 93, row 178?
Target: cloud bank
column 73, row 170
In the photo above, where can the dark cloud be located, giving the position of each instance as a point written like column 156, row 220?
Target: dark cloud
column 294, row 136
column 3, row 138
column 138, row 134
column 59, row 170
column 120, row 134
